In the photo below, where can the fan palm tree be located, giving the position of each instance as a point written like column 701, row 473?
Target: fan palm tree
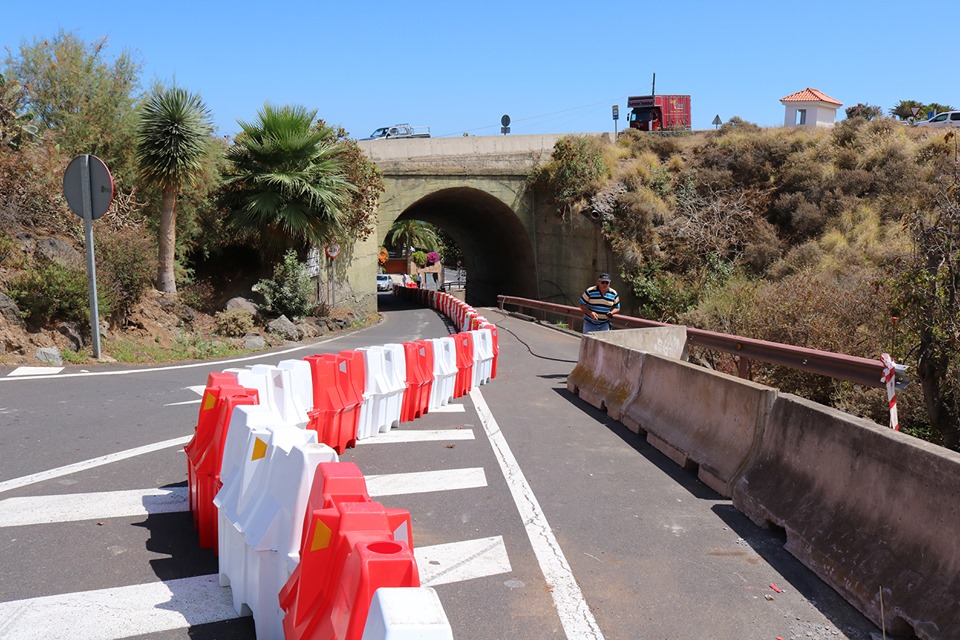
column 286, row 183
column 413, row 233
column 171, row 141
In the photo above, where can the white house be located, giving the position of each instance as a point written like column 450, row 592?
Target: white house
column 810, row 108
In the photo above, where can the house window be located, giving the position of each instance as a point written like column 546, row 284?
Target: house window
column 801, row 117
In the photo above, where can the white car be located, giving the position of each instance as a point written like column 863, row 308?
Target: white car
column 384, row 283
column 945, row 119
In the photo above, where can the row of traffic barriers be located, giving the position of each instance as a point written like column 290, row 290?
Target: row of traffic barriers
column 301, row 544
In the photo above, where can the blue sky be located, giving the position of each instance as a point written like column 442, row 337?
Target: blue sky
column 554, row 67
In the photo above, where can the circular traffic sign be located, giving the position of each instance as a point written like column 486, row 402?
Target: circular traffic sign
column 100, row 181
column 505, row 120
column 333, row 250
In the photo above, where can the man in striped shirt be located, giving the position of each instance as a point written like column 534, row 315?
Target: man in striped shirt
column 599, row 303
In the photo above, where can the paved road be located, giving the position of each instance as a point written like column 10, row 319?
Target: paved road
column 534, row 516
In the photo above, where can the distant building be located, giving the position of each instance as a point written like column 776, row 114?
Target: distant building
column 810, row 108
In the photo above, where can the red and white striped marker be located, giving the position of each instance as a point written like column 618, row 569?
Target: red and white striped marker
column 889, row 378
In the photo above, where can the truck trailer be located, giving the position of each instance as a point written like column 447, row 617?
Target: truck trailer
column 659, row 113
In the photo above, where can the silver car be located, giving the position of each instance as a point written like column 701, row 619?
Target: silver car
column 384, row 283
column 945, row 119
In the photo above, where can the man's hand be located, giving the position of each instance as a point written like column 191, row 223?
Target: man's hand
column 593, row 315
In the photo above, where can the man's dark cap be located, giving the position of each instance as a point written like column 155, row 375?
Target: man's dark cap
column 604, row 276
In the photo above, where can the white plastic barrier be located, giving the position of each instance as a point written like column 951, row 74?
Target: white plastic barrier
column 275, row 388
column 482, row 356
column 406, row 613
column 301, row 379
column 444, row 371
column 375, row 383
column 261, row 509
column 396, row 370
column 467, row 318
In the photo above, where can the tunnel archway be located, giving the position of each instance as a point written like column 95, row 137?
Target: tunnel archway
column 497, row 252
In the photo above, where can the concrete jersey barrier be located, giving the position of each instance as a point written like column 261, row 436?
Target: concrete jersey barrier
column 865, row 508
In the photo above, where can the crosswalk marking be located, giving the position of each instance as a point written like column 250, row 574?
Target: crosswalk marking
column 122, row 612
column 458, row 561
column 404, row 435
column 72, row 507
column 448, row 408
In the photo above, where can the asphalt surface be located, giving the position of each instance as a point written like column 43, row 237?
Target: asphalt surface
column 603, row 536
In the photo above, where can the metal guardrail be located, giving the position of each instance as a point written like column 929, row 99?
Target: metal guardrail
column 863, row 371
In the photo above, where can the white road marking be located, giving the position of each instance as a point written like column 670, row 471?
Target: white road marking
column 395, row 484
column 16, row 512
column 402, row 435
column 120, row 612
column 73, row 507
column 449, row 408
column 575, row 615
column 198, row 389
column 177, row 404
column 16, row 483
column 35, row 371
column 459, row 561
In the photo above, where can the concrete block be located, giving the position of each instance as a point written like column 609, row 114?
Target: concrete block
column 865, row 508
column 607, row 375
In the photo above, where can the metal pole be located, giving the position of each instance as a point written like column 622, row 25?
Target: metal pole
column 86, row 189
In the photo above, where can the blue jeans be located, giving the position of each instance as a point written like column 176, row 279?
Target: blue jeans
column 589, row 326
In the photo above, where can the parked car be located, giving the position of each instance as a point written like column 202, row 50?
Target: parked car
column 945, row 119
column 384, row 283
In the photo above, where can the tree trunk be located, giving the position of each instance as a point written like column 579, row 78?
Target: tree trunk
column 167, row 241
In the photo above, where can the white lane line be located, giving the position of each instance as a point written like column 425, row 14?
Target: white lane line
column 119, row 612
column 198, row 389
column 449, row 408
column 35, row 371
column 459, row 561
column 575, row 615
column 16, row 483
column 72, row 507
column 177, row 404
column 400, row 435
column 396, row 484
column 17, row 512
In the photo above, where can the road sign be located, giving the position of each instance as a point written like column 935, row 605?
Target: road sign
column 716, row 120
column 333, row 250
column 99, row 181
column 915, row 111
column 616, row 112
column 505, row 120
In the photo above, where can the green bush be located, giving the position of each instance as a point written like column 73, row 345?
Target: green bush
column 234, row 323
column 288, row 293
column 54, row 293
column 126, row 264
column 419, row 258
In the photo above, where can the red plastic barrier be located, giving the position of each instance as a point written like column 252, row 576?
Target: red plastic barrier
column 208, row 462
column 347, row 551
column 464, row 379
column 350, row 371
column 413, row 406
column 206, row 420
column 336, row 405
column 426, row 362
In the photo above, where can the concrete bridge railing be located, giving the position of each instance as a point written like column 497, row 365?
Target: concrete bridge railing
column 872, row 511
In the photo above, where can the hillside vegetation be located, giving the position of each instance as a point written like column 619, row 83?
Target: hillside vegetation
column 840, row 239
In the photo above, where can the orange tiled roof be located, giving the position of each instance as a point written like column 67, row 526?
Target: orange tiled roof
column 811, row 95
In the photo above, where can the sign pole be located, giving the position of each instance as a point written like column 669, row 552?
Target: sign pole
column 91, row 262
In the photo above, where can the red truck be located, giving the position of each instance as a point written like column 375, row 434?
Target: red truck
column 659, row 113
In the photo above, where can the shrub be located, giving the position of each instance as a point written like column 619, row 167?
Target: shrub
column 288, row 293
column 234, row 323
column 127, row 260
column 55, row 293
column 419, row 258
column 432, row 258
column 575, row 170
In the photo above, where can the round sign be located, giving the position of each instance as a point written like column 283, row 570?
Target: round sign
column 505, row 120
column 100, row 181
column 333, row 250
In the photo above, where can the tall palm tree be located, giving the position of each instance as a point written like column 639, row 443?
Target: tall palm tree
column 413, row 233
column 171, row 141
column 287, row 183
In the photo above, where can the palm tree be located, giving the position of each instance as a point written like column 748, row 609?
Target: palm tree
column 171, row 141
column 413, row 233
column 287, row 182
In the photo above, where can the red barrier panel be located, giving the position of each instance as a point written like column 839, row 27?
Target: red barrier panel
column 464, row 380
column 203, row 430
column 426, row 362
column 348, row 550
column 350, row 370
column 336, row 404
column 208, row 462
column 413, row 407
